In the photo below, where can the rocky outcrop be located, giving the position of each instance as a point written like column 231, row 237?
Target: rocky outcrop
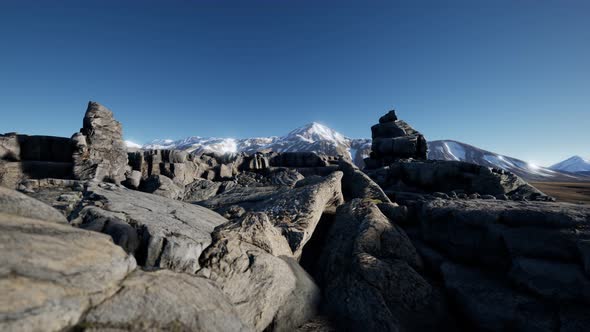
column 250, row 261
column 170, row 234
column 452, row 178
column 100, row 151
column 15, row 203
column 25, row 157
column 394, row 139
column 515, row 265
column 51, row 274
column 370, row 275
column 164, row 301
column 295, row 211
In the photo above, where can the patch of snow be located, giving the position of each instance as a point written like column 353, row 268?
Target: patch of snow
column 132, row 145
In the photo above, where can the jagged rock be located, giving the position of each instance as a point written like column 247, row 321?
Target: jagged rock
column 389, row 117
column 224, row 172
column 133, row 179
column 298, row 159
column 100, row 151
column 369, row 271
column 164, row 301
column 356, row 184
column 489, row 304
column 269, row 292
column 447, row 176
column 552, row 280
column 295, row 211
column 492, row 232
column 162, row 186
column 318, row 324
column 172, row 233
column 50, row 274
column 15, row 203
column 200, row 190
column 257, row 161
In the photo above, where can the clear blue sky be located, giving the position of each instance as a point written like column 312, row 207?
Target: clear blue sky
column 508, row 76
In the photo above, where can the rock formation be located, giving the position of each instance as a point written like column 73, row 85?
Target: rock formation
column 100, row 151
column 394, row 139
column 280, row 241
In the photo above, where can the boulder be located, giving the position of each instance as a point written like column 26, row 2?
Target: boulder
column 369, row 271
column 172, row 234
column 389, row 117
column 100, row 152
column 356, row 184
column 162, row 186
column 164, row 301
column 489, row 304
column 15, row 203
column 133, row 179
column 249, row 260
column 50, row 274
column 295, row 211
column 200, row 190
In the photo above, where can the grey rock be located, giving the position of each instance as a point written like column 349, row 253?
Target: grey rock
column 173, row 234
column 552, row 280
column 295, row 211
column 489, row 304
column 50, row 274
column 133, row 179
column 356, row 184
column 100, row 151
column 369, row 271
column 15, row 203
column 162, row 186
column 389, row 117
column 268, row 292
column 164, row 301
column 200, row 190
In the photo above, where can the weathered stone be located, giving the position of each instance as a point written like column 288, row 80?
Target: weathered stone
column 164, row 301
column 15, row 203
column 172, row 233
column 489, row 304
column 50, row 274
column 162, row 186
column 133, row 179
column 554, row 281
column 200, row 190
column 100, row 151
column 356, row 184
column 296, row 212
column 268, row 292
column 368, row 269
column 389, row 117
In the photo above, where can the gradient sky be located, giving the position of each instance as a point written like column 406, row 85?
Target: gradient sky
column 512, row 76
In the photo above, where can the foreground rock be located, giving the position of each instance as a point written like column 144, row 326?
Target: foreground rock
column 509, row 265
column 15, row 203
column 369, row 270
column 160, row 232
column 250, row 261
column 295, row 212
column 50, row 274
column 164, row 301
column 100, row 151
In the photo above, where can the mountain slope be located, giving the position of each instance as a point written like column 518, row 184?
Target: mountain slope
column 575, row 164
column 454, row 150
column 313, row 137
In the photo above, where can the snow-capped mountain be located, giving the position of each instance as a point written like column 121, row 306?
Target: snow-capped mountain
column 453, row 150
column 313, row 137
column 575, row 164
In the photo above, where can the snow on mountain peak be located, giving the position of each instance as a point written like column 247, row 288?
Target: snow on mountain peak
column 314, row 132
column 573, row 164
column 132, row 145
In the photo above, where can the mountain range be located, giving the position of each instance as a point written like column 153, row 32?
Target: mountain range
column 315, row 137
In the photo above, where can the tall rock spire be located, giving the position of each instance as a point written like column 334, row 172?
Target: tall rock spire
column 100, row 151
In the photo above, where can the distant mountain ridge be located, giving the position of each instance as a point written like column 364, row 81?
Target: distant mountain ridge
column 315, row 137
column 575, row 164
column 454, row 150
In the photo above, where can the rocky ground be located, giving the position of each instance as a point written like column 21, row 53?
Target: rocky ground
column 95, row 239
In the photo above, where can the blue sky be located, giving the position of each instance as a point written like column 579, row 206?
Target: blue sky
column 508, row 76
